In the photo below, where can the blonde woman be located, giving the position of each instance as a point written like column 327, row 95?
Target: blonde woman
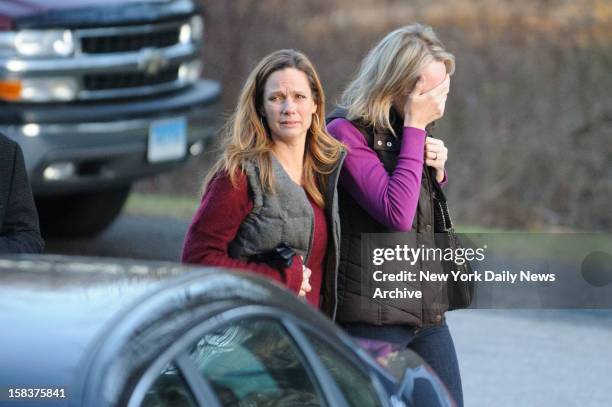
column 269, row 204
column 387, row 184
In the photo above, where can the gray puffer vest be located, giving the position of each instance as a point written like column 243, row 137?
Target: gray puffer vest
column 356, row 304
column 287, row 216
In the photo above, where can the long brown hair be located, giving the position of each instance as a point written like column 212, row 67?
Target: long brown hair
column 247, row 137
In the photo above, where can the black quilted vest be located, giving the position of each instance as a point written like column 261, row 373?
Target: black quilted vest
column 355, row 303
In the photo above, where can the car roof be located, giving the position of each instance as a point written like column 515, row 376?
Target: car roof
column 52, row 308
column 67, row 317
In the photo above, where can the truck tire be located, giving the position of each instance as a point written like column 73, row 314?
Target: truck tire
column 80, row 214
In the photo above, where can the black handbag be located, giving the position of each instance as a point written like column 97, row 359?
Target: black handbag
column 460, row 293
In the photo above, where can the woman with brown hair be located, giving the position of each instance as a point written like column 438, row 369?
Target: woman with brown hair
column 269, row 204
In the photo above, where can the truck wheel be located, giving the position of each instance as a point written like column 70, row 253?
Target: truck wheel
column 80, row 214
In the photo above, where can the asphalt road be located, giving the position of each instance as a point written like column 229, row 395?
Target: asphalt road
column 534, row 358
column 507, row 358
column 129, row 237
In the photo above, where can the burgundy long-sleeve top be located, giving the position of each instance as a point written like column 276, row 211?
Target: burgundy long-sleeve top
column 390, row 199
column 216, row 223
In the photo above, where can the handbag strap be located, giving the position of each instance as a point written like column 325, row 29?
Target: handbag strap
column 441, row 206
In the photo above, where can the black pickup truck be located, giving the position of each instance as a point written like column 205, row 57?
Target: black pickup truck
column 99, row 93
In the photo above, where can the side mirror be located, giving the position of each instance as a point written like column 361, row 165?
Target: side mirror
column 419, row 385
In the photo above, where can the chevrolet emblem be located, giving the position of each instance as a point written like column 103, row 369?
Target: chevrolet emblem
column 151, row 61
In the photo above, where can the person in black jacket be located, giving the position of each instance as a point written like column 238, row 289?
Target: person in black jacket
column 19, row 231
column 388, row 184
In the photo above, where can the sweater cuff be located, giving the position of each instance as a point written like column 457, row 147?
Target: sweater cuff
column 444, row 180
column 415, row 131
column 294, row 275
column 413, row 143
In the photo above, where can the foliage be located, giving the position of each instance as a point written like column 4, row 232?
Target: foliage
column 529, row 118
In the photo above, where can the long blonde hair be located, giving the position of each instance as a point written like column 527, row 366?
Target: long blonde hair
column 247, row 137
column 389, row 69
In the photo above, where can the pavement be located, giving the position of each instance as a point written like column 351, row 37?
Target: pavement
column 134, row 237
column 534, row 357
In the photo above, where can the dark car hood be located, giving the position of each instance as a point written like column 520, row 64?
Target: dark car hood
column 74, row 13
column 46, row 4
column 37, row 6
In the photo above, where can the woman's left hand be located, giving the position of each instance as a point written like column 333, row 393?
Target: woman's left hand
column 436, row 155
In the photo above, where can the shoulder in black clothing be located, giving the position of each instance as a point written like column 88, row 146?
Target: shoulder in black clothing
column 19, row 230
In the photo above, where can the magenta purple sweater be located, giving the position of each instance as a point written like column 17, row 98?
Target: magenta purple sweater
column 390, row 199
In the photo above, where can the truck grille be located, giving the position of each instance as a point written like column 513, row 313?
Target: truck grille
column 130, row 42
column 121, row 80
column 130, row 61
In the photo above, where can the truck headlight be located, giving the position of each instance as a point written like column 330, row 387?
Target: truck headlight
column 40, row 43
column 192, row 31
column 48, row 89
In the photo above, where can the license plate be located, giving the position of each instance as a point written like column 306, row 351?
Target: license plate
column 167, row 140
